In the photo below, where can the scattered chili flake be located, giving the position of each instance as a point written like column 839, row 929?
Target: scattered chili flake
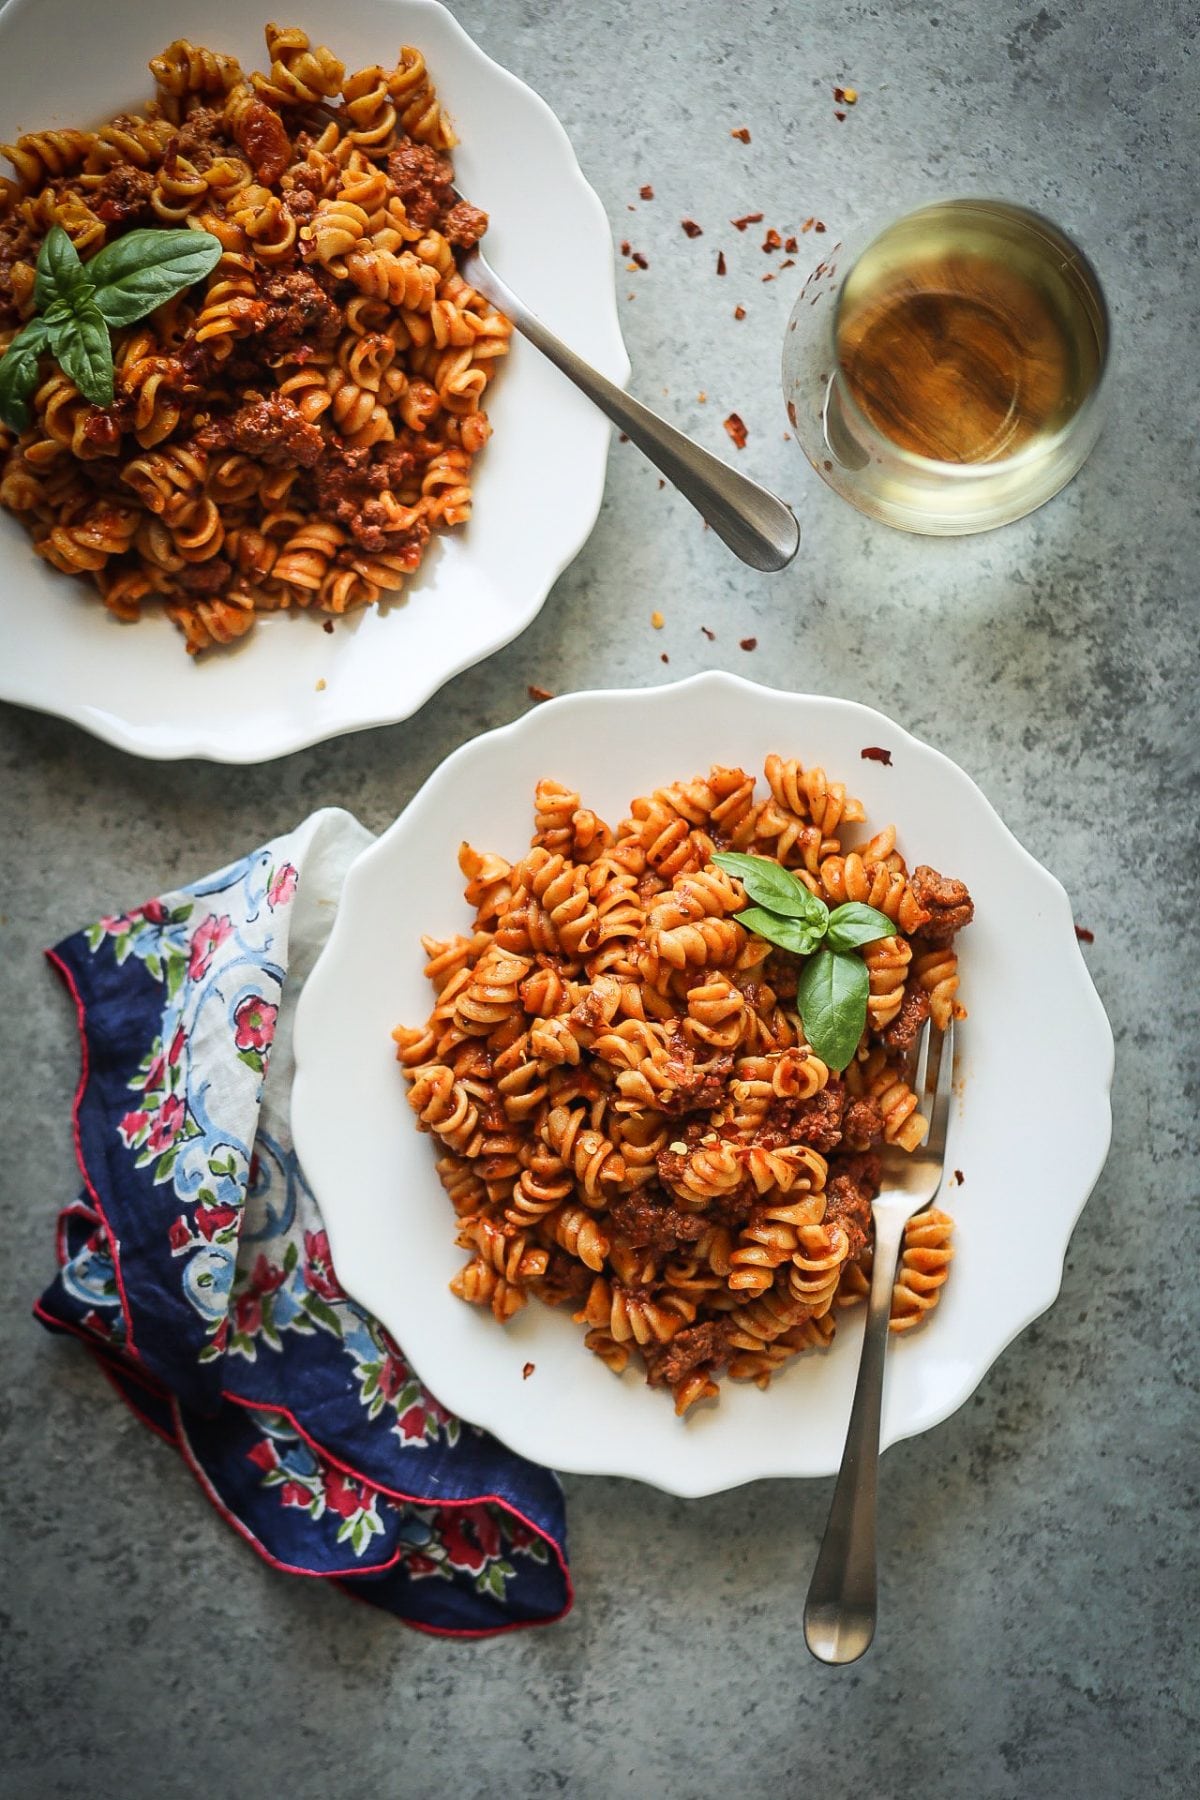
column 768, row 277
column 958, row 1177
column 321, row 685
column 720, row 262
column 1084, row 935
column 772, row 241
column 839, row 116
column 873, row 753
column 746, row 219
column 820, row 225
column 790, row 245
column 630, row 207
column 622, row 437
column 845, row 96
column 328, row 626
column 657, row 620
column 663, row 657
column 646, row 192
column 741, row 133
column 791, row 413
column 691, row 227
column 702, row 397
column 808, row 225
column 787, row 437
column 539, row 693
column 661, row 482
column 739, row 312
column 641, row 262
column 736, row 430
column 789, row 262
column 710, row 635
column 527, row 1371
column 626, row 247
column 748, row 643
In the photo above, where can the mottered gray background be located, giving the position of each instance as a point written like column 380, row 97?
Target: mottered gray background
column 1039, row 1548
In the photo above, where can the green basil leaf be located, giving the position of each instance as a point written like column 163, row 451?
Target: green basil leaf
column 143, row 269
column 19, row 373
column 832, row 1000
column 855, row 923
column 796, row 935
column 84, row 350
column 59, row 270
column 773, row 886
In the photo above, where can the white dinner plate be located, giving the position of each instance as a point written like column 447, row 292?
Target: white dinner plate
column 538, row 483
column 1036, row 1029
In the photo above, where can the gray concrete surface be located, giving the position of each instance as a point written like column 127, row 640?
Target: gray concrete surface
column 1039, row 1549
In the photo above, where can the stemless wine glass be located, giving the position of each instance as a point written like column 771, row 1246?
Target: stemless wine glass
column 949, row 376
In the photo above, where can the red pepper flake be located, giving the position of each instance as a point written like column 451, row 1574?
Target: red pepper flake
column 807, row 225
column 710, row 635
column 873, row 753
column 741, row 133
column 748, row 643
column 1084, row 935
column 691, row 228
column 663, row 657
column 791, row 246
column 736, row 430
column 746, row 219
column 739, row 312
column 630, row 207
column 646, row 192
column 772, row 241
column 661, row 482
column 958, row 1178
column 845, row 96
column 720, row 262
column 527, row 1371
column 787, row 437
column 791, row 413
column 768, row 277
column 839, row 116
column 820, row 225
column 328, row 626
column 641, row 262
column 538, row 693
column 626, row 247
column 622, row 437
column 789, row 262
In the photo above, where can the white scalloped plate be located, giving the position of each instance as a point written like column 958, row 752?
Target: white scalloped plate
column 1036, row 1026
column 538, row 484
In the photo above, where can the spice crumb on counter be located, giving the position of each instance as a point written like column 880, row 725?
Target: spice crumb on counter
column 626, row 247
column 646, row 192
column 741, row 133
column 1084, row 935
column 527, row 1371
column 739, row 312
column 747, row 643
column 702, row 397
column 710, row 635
column 845, row 96
column 772, row 241
column 539, row 693
column 958, row 1178
column 657, row 620
column 736, row 428
column 691, row 228
column 328, row 626
column 639, row 261
column 321, row 685
column 663, row 657
column 662, row 484
column 875, row 753
column 745, row 220
column 791, row 245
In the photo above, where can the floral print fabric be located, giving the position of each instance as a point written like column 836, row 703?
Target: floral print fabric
column 196, row 1266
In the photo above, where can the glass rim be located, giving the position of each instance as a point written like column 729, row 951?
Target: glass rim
column 959, row 472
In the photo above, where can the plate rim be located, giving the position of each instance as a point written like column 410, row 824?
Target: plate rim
column 1039, row 1295
column 205, row 744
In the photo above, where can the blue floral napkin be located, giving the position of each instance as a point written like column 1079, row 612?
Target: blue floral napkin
column 196, row 1268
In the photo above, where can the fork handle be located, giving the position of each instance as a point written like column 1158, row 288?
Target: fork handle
column 840, row 1611
column 756, row 525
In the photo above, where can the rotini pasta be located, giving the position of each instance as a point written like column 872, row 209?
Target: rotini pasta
column 288, row 433
column 631, row 1120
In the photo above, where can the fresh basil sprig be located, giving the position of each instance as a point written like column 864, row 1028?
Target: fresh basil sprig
column 834, row 984
column 77, row 304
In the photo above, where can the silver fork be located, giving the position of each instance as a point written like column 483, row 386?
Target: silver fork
column 756, row 525
column 840, row 1612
